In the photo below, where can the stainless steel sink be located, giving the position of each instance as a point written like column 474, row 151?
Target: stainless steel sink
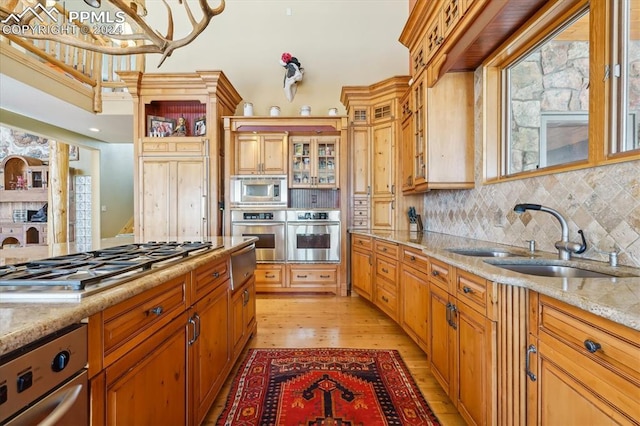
column 483, row 252
column 559, row 268
column 555, row 271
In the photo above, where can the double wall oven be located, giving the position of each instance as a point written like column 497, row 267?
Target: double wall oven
column 268, row 226
column 313, row 236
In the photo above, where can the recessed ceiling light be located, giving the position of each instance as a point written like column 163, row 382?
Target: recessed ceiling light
column 94, row 129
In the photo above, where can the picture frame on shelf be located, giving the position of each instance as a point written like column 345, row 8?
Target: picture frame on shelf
column 160, row 127
column 200, row 126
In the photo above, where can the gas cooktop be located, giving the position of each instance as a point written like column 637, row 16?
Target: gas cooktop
column 75, row 276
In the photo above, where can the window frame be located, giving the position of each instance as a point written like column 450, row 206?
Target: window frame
column 602, row 111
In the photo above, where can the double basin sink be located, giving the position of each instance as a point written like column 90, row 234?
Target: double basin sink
column 518, row 262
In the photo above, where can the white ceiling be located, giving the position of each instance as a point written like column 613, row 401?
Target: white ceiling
column 29, row 102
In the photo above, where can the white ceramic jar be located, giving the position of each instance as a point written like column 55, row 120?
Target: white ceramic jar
column 305, row 110
column 333, row 111
column 248, row 109
column 274, row 111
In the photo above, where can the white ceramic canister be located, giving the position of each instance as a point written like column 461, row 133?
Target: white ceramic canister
column 248, row 109
column 333, row 111
column 274, row 111
column 305, row 110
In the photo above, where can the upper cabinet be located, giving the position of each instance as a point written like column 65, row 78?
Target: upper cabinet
column 314, row 162
column 178, row 151
column 260, row 154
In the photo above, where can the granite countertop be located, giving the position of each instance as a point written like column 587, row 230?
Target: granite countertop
column 617, row 299
column 23, row 323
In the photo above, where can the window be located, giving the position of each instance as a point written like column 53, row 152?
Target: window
column 555, row 100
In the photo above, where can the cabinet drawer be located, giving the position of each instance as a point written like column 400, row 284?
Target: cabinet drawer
column 313, row 275
column 473, row 290
column 360, row 213
column 387, row 301
column 613, row 345
column 415, row 258
column 143, row 314
column 386, row 248
column 360, row 203
column 386, row 269
column 269, row 274
column 207, row 277
column 440, row 274
column 361, row 241
column 361, row 223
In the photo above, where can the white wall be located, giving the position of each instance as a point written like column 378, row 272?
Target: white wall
column 338, row 42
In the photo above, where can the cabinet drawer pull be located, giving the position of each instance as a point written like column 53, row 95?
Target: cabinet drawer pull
column 385, row 299
column 412, row 258
column 383, row 249
column 269, row 276
column 530, row 350
column 466, row 289
column 216, row 274
column 301, row 276
column 156, row 311
column 435, row 273
column 325, row 276
column 592, row 346
column 385, row 270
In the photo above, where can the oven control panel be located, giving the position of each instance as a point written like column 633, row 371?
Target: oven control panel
column 257, row 216
column 316, row 216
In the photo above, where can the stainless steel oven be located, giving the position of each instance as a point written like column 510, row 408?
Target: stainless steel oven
column 266, row 225
column 265, row 190
column 45, row 383
column 313, row 236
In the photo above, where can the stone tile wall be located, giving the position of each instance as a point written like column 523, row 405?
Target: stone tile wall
column 603, row 201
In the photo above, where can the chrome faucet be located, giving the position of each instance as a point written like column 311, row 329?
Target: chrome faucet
column 564, row 246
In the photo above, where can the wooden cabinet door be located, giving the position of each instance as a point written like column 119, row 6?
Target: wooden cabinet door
column 360, row 158
column 361, row 273
column 210, row 353
column 382, row 213
column 415, row 304
column 475, row 366
column 172, row 198
column 247, row 155
column 274, row 154
column 406, row 137
column 442, row 337
column 243, row 315
column 149, row 384
column 383, row 167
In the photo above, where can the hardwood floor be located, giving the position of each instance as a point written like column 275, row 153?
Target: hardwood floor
column 338, row 322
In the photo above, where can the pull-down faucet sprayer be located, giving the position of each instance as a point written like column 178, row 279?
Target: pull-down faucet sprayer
column 564, row 246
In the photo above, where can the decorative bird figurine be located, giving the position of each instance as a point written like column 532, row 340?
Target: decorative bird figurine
column 293, row 74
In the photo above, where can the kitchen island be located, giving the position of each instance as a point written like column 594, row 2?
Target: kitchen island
column 23, row 323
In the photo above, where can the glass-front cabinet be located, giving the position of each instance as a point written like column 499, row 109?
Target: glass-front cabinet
column 314, row 161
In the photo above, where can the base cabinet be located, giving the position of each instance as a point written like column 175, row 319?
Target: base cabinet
column 414, row 285
column 362, row 266
column 162, row 356
column 584, row 369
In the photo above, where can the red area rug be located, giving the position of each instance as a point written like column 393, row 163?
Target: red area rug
column 328, row 387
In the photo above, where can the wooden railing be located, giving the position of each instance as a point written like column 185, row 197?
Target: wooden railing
column 89, row 68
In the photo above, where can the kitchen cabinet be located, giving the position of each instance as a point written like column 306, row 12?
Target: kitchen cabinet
column 260, row 153
column 414, row 287
column 270, row 277
column 362, row 266
column 585, row 367
column 173, row 198
column 169, row 348
column 313, row 277
column 210, row 351
column 243, row 315
column 463, row 342
column 385, row 290
column 374, row 112
column 407, row 138
column 188, row 200
column 314, row 162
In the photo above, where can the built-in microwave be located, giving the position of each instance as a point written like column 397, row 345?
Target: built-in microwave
column 251, row 190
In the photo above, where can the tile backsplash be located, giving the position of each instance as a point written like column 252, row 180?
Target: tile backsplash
column 602, row 201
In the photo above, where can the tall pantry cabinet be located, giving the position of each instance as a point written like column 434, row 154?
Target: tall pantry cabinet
column 179, row 175
column 374, row 139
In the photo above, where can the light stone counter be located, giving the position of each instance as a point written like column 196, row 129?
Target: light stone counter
column 617, row 299
column 23, row 323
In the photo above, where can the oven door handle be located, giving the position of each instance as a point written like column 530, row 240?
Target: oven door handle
column 311, row 223
column 63, row 407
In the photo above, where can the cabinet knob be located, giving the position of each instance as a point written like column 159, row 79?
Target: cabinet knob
column 592, row 346
column 216, row 274
column 435, row 273
column 412, row 258
column 156, row 311
column 467, row 290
